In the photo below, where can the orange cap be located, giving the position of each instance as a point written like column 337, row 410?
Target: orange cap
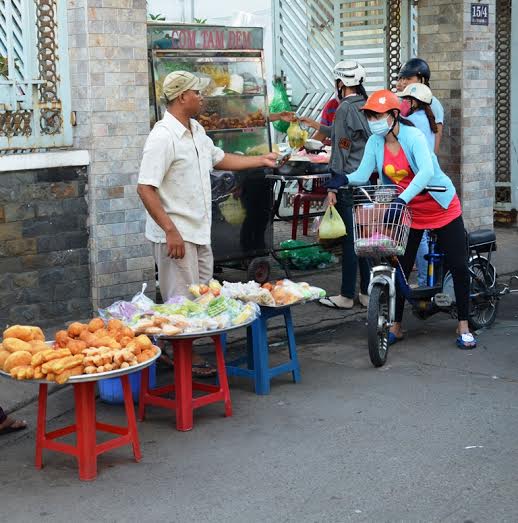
column 382, row 101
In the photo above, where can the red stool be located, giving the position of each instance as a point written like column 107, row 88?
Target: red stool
column 86, row 449
column 318, row 193
column 184, row 402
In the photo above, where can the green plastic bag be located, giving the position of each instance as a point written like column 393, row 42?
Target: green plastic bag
column 279, row 104
column 332, row 226
column 302, row 255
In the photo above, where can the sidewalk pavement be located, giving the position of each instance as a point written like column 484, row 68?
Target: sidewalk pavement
column 308, row 319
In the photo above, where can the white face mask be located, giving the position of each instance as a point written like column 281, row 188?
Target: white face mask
column 380, row 127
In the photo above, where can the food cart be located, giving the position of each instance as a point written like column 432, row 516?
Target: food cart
column 234, row 117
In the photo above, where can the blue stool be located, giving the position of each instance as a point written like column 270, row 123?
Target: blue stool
column 256, row 359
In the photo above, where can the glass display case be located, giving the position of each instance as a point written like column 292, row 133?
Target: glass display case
column 233, row 115
column 234, row 112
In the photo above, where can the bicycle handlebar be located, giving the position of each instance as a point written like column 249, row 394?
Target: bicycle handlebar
column 434, row 188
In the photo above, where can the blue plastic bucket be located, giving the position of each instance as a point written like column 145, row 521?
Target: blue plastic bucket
column 110, row 390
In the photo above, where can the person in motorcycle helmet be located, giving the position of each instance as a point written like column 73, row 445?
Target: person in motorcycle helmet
column 349, row 133
column 417, row 71
column 400, row 152
column 419, row 99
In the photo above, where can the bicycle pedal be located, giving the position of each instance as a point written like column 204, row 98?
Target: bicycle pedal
column 442, row 300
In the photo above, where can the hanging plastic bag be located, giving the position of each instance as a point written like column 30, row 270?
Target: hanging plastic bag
column 315, row 226
column 296, row 136
column 233, row 211
column 279, row 104
column 332, row 226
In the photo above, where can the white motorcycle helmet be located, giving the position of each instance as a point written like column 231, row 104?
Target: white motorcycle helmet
column 420, row 92
column 351, row 73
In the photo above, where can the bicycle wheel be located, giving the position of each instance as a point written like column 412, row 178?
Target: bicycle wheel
column 377, row 325
column 483, row 308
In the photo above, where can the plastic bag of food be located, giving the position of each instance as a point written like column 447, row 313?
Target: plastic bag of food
column 280, row 103
column 286, row 292
column 141, row 300
column 233, row 211
column 302, row 255
column 332, row 226
column 296, row 135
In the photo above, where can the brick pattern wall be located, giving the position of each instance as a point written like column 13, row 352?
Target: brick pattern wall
column 461, row 58
column 109, row 81
column 478, row 120
column 440, row 44
column 44, row 269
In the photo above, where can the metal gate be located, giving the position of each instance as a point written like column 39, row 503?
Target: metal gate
column 312, row 35
column 503, row 186
column 34, row 86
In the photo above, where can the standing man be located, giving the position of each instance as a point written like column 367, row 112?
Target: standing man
column 417, row 71
column 174, row 186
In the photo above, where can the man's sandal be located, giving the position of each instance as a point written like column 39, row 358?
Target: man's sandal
column 466, row 341
column 12, row 425
column 337, row 302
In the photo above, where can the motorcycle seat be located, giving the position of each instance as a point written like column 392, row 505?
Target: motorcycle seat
column 482, row 239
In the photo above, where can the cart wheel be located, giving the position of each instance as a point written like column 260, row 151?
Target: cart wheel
column 259, row 270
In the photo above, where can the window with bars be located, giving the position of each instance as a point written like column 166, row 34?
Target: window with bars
column 379, row 34
column 34, row 76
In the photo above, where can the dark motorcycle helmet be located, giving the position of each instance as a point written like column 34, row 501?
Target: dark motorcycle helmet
column 415, row 67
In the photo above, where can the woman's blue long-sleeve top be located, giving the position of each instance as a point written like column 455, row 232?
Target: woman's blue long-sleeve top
column 422, row 161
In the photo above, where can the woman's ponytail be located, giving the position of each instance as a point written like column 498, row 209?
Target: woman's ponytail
column 431, row 118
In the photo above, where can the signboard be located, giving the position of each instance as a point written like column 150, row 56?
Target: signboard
column 479, row 14
column 204, row 37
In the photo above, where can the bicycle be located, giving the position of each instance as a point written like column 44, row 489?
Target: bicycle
column 383, row 241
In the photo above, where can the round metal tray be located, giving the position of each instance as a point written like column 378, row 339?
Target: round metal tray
column 83, row 378
column 204, row 334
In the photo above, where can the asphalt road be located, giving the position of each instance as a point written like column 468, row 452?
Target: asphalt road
column 432, row 436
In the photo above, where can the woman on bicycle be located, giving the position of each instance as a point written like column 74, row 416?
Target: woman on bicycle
column 400, row 152
column 349, row 133
column 419, row 98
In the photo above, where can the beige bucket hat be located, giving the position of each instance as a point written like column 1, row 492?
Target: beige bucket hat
column 178, row 82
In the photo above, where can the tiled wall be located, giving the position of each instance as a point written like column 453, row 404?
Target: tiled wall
column 108, row 59
column 462, row 61
column 44, row 266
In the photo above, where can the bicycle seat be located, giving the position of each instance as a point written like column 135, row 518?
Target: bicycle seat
column 482, row 237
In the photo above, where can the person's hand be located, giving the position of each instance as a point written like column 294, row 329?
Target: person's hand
column 269, row 160
column 331, row 198
column 393, row 213
column 287, row 116
column 309, row 122
column 175, row 245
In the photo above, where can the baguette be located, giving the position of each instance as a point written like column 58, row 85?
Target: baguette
column 68, row 373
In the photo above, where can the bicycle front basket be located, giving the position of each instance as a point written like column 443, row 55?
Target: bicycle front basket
column 378, row 232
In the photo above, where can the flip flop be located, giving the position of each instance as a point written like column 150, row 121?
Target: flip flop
column 328, row 302
column 464, row 339
column 392, row 338
column 15, row 426
column 197, row 367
